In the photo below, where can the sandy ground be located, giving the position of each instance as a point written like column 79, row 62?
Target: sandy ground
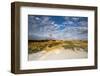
column 58, row 54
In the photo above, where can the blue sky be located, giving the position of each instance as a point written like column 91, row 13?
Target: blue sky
column 42, row 27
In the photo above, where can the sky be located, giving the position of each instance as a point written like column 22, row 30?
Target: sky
column 42, row 27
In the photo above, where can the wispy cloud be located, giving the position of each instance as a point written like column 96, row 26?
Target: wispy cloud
column 57, row 27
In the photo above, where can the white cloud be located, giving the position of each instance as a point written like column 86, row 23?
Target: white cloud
column 75, row 19
column 45, row 20
column 83, row 23
column 37, row 18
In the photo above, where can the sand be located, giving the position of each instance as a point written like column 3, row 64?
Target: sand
column 59, row 54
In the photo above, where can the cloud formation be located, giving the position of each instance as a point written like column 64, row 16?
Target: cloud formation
column 57, row 27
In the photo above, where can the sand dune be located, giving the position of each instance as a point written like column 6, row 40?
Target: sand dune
column 58, row 54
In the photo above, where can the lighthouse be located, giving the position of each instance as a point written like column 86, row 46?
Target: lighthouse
column 50, row 35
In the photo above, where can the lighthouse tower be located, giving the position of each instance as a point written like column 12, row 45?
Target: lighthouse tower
column 50, row 37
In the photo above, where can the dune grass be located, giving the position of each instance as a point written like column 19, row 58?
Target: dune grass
column 48, row 45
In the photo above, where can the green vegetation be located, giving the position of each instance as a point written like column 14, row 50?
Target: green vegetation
column 39, row 45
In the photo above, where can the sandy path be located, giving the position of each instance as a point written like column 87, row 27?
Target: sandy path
column 58, row 54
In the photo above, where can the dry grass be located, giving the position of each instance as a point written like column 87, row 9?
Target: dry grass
column 39, row 45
